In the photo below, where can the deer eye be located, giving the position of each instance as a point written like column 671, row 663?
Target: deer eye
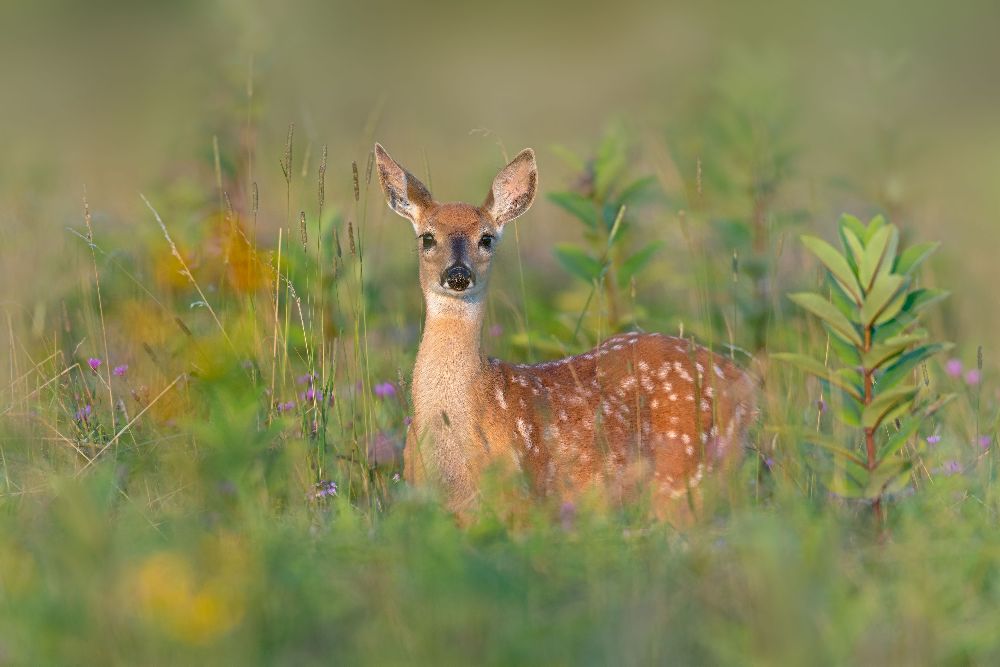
column 427, row 241
column 486, row 242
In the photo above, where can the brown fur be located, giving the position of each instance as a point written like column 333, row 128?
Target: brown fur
column 641, row 413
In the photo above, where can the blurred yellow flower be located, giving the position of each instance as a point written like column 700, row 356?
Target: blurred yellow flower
column 169, row 594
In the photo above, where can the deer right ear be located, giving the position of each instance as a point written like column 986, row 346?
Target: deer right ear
column 405, row 194
column 513, row 189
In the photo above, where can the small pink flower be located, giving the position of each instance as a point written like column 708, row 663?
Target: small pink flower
column 933, row 439
column 324, row 489
column 953, row 368
column 94, row 363
column 972, row 377
column 385, row 390
column 985, row 441
column 120, row 371
column 567, row 515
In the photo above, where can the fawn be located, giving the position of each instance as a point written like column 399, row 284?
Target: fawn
column 638, row 413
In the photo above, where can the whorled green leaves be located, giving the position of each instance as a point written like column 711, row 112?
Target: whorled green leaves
column 872, row 309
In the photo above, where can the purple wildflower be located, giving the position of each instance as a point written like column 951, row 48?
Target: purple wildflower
column 303, row 379
column 933, row 439
column 325, row 489
column 496, row 331
column 567, row 515
column 83, row 413
column 407, row 420
column 94, row 363
column 385, row 390
column 120, row 371
column 313, row 394
column 973, row 376
column 769, row 462
column 985, row 441
column 286, row 407
column 953, row 368
column 952, row 468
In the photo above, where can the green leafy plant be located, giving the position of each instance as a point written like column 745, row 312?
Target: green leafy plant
column 601, row 200
column 736, row 154
column 872, row 315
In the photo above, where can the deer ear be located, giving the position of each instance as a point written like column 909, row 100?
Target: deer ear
column 513, row 189
column 406, row 195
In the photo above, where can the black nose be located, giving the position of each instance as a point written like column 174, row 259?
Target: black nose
column 457, row 277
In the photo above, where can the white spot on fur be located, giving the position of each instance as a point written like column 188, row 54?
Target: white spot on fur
column 525, row 430
column 501, row 401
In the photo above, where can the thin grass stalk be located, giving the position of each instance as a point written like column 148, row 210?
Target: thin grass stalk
column 100, row 309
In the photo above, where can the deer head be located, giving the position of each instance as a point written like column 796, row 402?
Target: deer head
column 456, row 241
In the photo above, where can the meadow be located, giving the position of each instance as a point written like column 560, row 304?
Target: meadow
column 210, row 318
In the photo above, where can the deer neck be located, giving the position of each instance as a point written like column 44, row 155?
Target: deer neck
column 447, row 380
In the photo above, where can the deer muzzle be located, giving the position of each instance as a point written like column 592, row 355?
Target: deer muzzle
column 457, row 277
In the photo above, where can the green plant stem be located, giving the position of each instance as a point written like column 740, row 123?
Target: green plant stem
column 872, row 461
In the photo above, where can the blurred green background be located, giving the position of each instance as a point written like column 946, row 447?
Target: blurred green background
column 900, row 96
column 198, row 534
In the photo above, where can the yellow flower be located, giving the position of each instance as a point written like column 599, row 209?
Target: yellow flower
column 169, row 595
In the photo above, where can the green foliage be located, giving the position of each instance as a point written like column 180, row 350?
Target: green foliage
column 872, row 316
column 736, row 156
column 603, row 205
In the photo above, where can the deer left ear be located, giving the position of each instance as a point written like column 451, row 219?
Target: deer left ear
column 513, row 189
column 404, row 193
